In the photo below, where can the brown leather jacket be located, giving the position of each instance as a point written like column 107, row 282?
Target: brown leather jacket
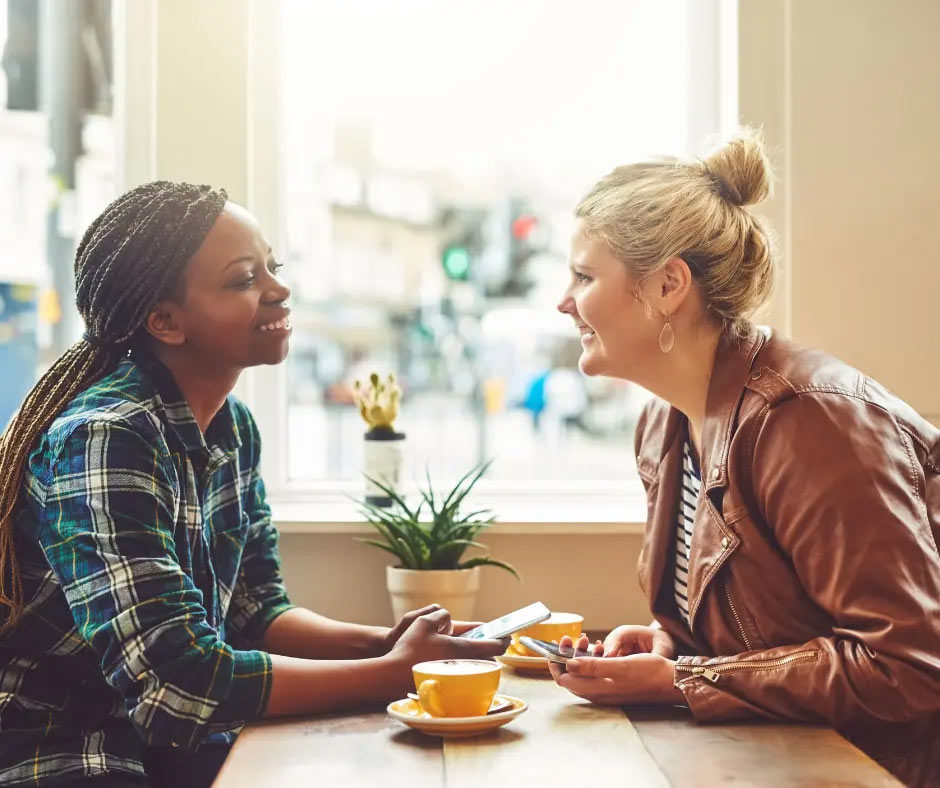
column 814, row 575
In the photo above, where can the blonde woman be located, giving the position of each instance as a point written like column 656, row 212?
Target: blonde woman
column 790, row 556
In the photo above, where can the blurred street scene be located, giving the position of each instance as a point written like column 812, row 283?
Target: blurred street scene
column 427, row 187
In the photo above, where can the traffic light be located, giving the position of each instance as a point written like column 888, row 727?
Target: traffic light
column 523, row 225
column 461, row 243
column 491, row 247
column 523, row 228
column 456, row 261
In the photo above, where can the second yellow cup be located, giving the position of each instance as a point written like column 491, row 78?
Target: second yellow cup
column 551, row 629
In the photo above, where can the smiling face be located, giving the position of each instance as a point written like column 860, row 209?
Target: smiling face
column 232, row 312
column 618, row 338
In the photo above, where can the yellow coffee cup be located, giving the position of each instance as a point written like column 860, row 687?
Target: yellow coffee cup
column 456, row 687
column 551, row 629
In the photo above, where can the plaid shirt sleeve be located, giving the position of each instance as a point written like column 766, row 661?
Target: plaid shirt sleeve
column 259, row 595
column 108, row 534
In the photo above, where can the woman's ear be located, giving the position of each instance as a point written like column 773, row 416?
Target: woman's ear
column 674, row 282
column 164, row 324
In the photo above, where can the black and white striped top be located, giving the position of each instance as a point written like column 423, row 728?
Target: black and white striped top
column 688, row 502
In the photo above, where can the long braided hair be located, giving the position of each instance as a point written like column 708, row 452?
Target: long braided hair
column 132, row 256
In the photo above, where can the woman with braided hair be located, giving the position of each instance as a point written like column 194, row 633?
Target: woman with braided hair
column 143, row 617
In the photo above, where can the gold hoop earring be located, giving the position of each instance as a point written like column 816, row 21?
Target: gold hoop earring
column 667, row 337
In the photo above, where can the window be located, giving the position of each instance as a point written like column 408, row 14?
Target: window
column 56, row 174
column 431, row 157
column 416, row 164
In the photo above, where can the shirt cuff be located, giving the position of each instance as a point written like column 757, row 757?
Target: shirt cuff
column 258, row 624
column 250, row 690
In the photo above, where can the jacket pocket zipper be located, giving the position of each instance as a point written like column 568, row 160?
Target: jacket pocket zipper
column 713, row 672
column 747, row 642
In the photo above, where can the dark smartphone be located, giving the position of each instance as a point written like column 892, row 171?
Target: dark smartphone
column 552, row 651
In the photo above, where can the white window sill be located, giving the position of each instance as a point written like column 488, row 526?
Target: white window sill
column 537, row 509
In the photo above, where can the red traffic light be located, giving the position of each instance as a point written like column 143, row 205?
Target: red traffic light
column 522, row 226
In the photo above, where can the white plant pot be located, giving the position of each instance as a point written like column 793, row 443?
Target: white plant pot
column 384, row 454
column 455, row 589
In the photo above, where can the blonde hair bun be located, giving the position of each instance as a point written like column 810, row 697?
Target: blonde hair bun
column 740, row 170
column 651, row 211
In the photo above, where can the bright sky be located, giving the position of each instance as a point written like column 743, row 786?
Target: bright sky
column 556, row 89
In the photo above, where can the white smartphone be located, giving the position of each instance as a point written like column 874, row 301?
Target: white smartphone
column 512, row 622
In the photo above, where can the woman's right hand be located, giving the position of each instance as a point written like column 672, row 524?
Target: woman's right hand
column 635, row 639
column 313, row 686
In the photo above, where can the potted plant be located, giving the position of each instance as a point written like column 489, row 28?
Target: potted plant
column 429, row 542
column 384, row 447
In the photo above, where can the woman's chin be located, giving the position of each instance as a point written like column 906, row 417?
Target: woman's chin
column 589, row 364
column 278, row 358
column 269, row 356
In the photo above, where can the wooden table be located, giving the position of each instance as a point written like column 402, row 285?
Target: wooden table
column 559, row 741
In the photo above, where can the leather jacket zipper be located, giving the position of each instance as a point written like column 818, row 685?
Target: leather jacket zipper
column 747, row 642
column 713, row 672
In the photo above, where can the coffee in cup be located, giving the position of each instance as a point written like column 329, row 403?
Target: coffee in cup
column 456, row 687
column 552, row 629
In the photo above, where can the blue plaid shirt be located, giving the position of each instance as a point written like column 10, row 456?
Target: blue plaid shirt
column 150, row 566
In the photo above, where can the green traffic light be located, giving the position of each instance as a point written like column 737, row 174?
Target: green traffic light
column 456, row 262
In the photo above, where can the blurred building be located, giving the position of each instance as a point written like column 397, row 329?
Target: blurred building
column 57, row 171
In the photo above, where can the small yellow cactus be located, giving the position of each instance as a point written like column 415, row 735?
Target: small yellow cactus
column 378, row 402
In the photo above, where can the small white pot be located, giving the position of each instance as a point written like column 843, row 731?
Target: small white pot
column 384, row 456
column 455, row 589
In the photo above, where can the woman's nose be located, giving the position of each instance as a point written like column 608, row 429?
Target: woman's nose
column 566, row 305
column 278, row 292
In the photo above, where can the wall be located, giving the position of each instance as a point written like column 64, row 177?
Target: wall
column 847, row 91
column 592, row 575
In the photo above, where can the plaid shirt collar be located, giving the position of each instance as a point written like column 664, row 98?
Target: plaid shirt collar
column 222, row 438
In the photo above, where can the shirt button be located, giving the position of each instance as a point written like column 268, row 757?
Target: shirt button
column 724, row 542
column 715, row 473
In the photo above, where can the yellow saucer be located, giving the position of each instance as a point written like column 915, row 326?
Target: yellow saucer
column 410, row 712
column 524, row 664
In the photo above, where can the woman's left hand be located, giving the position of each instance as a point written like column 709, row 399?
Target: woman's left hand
column 617, row 681
column 390, row 637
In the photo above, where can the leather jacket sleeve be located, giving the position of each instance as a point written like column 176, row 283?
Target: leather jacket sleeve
column 842, row 487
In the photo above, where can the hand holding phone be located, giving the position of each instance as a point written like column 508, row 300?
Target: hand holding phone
column 504, row 626
column 553, row 652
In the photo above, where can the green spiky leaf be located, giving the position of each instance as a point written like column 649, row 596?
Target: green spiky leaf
column 396, row 498
column 485, row 560
column 380, row 545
